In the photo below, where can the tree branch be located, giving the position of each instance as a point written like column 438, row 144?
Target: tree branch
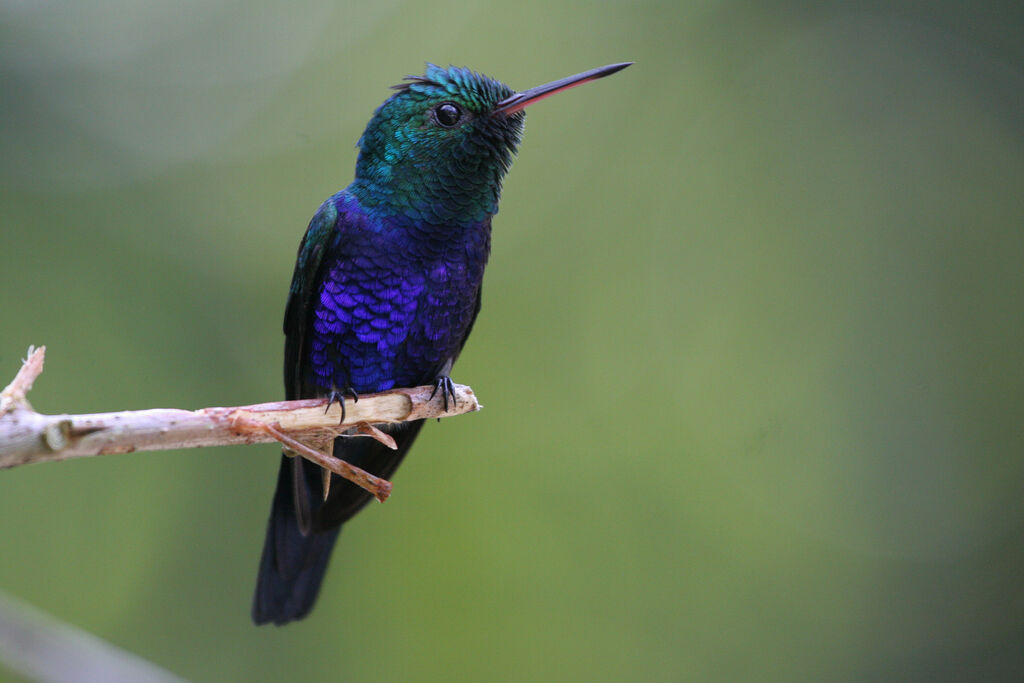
column 43, row 648
column 304, row 427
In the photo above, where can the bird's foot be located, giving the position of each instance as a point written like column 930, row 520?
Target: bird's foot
column 339, row 396
column 447, row 387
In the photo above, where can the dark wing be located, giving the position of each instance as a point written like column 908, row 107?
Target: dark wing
column 294, row 561
column 324, row 234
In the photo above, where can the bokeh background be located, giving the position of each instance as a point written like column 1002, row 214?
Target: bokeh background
column 751, row 349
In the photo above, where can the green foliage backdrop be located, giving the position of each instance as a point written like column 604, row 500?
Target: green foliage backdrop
column 751, row 345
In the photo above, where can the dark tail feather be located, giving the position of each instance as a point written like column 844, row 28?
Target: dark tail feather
column 293, row 564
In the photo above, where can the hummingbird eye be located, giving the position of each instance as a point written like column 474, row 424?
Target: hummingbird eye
column 447, row 114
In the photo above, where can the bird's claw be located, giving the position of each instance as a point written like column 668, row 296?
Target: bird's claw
column 447, row 387
column 339, row 396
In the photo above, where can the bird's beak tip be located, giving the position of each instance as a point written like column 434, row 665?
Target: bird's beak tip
column 520, row 100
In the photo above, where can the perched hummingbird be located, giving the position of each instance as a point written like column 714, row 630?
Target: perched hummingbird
column 385, row 292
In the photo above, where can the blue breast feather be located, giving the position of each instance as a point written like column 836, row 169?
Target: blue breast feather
column 395, row 301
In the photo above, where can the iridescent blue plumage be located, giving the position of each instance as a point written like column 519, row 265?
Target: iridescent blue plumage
column 385, row 291
column 396, row 307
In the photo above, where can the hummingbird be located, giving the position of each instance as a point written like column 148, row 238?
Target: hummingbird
column 385, row 292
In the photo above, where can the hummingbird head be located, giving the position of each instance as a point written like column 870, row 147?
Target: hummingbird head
column 438, row 149
column 433, row 150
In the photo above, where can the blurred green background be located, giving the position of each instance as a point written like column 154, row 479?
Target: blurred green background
column 751, row 349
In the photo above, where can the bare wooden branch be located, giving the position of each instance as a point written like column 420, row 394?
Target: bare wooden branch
column 43, row 648
column 29, row 437
column 15, row 393
column 381, row 488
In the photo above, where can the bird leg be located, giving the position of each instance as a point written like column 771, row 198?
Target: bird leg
column 339, row 396
column 447, row 387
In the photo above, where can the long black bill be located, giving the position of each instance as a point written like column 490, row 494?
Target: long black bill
column 510, row 105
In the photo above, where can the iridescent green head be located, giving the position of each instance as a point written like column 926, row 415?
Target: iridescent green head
column 434, row 151
column 437, row 150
